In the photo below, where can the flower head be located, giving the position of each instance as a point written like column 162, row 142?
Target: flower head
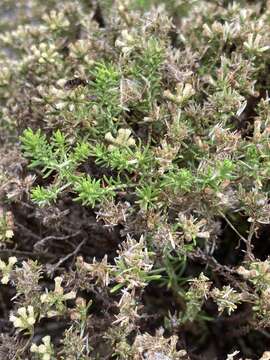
column 56, row 299
column 25, row 318
column 44, row 350
column 7, row 268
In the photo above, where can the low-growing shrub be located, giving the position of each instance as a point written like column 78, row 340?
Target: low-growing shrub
column 134, row 179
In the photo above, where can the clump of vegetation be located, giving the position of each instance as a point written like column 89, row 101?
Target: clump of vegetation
column 134, row 180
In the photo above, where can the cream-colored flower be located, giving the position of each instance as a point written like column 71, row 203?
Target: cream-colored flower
column 265, row 356
column 44, row 53
column 56, row 20
column 183, row 93
column 6, row 226
column 126, row 41
column 255, row 43
column 123, row 139
column 58, row 288
column 192, row 227
column 56, row 298
column 45, row 350
column 7, row 268
column 25, row 318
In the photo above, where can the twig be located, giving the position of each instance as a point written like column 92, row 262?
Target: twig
column 62, row 260
column 264, row 333
column 43, row 241
column 25, row 253
column 232, row 226
column 224, row 270
column 249, row 253
column 26, row 345
column 34, row 236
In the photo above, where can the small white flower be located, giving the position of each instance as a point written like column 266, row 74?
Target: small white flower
column 254, row 43
column 7, row 268
column 69, row 296
column 25, row 318
column 45, row 350
column 122, row 139
column 183, row 93
column 56, row 298
column 58, row 288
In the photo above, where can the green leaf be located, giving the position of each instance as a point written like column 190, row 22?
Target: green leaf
column 44, row 196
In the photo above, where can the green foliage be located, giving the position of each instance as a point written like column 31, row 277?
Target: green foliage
column 148, row 196
column 105, row 89
column 36, row 147
column 64, row 161
column 91, row 191
column 179, row 181
column 43, row 196
column 147, row 68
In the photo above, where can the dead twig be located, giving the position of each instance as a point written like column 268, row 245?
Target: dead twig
column 65, row 258
column 38, row 246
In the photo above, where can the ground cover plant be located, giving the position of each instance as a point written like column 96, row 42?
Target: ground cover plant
column 134, row 180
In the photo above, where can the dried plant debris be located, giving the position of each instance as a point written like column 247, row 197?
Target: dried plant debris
column 134, row 180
